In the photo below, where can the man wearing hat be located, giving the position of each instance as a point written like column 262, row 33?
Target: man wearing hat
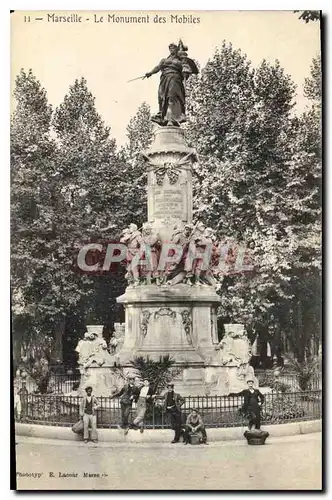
column 253, row 400
column 88, row 407
column 128, row 394
column 172, row 406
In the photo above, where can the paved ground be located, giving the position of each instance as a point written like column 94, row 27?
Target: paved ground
column 292, row 462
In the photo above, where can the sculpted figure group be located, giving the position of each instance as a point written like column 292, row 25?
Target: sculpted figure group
column 92, row 349
column 144, row 249
column 235, row 350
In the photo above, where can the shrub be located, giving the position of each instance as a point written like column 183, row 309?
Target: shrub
column 282, row 408
column 280, row 386
column 269, row 380
column 306, row 370
column 158, row 373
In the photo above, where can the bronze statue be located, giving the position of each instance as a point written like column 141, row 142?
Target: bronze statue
column 175, row 69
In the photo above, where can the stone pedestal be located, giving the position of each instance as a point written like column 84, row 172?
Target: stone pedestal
column 102, row 380
column 169, row 165
column 98, row 329
column 223, row 380
column 178, row 320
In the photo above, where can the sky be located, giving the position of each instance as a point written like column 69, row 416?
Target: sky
column 108, row 54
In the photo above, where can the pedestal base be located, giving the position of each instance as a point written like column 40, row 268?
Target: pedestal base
column 192, row 379
column 210, row 380
column 179, row 321
column 102, row 379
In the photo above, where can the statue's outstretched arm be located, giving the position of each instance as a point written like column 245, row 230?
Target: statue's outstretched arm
column 154, row 70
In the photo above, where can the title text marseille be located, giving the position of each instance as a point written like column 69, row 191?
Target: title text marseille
column 113, row 18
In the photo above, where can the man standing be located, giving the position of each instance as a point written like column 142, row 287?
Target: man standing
column 172, row 405
column 194, row 424
column 128, row 393
column 253, row 400
column 88, row 407
column 146, row 396
column 24, row 397
column 17, row 404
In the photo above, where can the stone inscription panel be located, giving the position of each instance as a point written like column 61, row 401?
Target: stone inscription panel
column 169, row 203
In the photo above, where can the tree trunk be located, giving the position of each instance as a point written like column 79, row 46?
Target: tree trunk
column 301, row 333
column 58, row 336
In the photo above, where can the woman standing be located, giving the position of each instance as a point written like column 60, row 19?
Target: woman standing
column 145, row 397
column 171, row 93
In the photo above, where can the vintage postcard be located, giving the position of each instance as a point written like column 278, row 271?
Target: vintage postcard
column 166, row 250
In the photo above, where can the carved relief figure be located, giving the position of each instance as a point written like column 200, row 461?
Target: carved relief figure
column 235, row 349
column 114, row 343
column 203, row 268
column 92, row 349
column 145, row 322
column 117, row 340
column 181, row 236
column 194, row 267
column 151, row 245
column 132, row 237
column 187, row 323
column 211, row 275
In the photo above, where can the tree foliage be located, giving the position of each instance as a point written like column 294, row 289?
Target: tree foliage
column 89, row 175
column 309, row 15
column 134, row 182
column 33, row 167
column 258, row 179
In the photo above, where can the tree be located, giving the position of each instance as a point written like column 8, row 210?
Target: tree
column 309, row 15
column 134, row 183
column 254, row 184
column 313, row 84
column 304, row 178
column 87, row 166
column 240, row 120
column 32, row 209
column 89, row 174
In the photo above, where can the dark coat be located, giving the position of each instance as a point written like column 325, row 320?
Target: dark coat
column 178, row 400
column 252, row 400
column 128, row 394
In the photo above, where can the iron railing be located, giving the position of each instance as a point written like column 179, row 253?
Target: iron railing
column 59, row 383
column 291, row 379
column 64, row 383
column 216, row 411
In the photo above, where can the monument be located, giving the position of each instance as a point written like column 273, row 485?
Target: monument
column 171, row 299
column 163, row 316
column 172, row 308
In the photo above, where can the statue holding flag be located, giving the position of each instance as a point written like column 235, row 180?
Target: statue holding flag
column 175, row 70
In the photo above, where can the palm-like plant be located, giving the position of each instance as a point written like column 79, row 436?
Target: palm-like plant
column 305, row 370
column 159, row 373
